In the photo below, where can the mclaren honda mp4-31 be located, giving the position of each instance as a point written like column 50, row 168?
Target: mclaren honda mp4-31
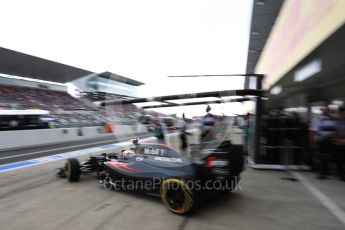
column 156, row 169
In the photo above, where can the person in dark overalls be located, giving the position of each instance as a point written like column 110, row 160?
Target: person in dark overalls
column 208, row 121
column 183, row 134
column 339, row 143
column 322, row 133
column 158, row 132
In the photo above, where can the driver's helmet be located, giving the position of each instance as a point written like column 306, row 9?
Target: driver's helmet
column 135, row 141
column 136, row 147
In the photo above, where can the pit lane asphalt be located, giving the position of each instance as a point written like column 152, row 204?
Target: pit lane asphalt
column 33, row 198
column 21, row 154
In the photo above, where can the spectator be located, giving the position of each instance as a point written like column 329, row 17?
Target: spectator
column 13, row 124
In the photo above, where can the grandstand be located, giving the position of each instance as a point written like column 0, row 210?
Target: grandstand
column 28, row 82
column 110, row 86
column 65, row 110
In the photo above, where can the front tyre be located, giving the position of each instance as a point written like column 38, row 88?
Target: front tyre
column 73, row 169
column 176, row 196
column 108, row 183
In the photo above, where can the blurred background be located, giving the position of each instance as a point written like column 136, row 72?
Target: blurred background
column 59, row 61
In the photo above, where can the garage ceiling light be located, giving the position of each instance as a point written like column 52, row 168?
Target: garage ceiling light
column 308, row 70
column 276, row 90
column 338, row 103
column 260, row 2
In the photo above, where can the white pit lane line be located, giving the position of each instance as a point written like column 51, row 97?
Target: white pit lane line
column 56, row 157
column 323, row 199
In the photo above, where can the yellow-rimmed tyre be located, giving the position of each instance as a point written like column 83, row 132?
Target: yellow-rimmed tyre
column 176, row 196
column 72, row 169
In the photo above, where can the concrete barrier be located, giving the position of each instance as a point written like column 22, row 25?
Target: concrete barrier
column 40, row 137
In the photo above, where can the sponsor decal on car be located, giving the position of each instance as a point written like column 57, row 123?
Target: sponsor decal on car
column 139, row 158
column 153, row 151
column 220, row 163
column 123, row 166
column 177, row 160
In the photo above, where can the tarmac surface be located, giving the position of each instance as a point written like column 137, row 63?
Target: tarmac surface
column 33, row 198
column 15, row 155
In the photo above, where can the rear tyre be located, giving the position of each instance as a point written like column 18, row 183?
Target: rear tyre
column 73, row 170
column 231, row 184
column 176, row 196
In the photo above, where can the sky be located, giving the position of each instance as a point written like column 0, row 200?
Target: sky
column 144, row 40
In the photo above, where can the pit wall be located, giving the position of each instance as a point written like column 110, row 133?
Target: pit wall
column 40, row 137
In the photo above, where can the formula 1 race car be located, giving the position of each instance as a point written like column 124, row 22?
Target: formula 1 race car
column 158, row 170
